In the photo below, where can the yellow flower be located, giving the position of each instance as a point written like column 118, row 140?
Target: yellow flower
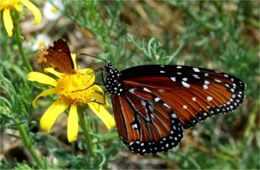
column 73, row 90
column 8, row 5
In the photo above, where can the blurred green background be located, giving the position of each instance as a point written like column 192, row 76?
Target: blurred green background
column 220, row 35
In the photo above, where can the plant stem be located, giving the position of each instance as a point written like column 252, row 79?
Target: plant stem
column 19, row 41
column 109, row 136
column 28, row 144
column 251, row 120
column 83, row 125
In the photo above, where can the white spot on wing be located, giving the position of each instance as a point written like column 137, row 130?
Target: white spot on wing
column 143, row 102
column 185, row 106
column 132, row 90
column 206, row 82
column 147, row 90
column 166, row 105
column 174, row 116
column 151, row 108
column 217, row 80
column 205, row 86
column 209, row 98
column 134, row 126
column 196, row 69
column 194, row 99
column 157, row 99
column 173, row 79
column 185, row 79
column 195, row 76
column 161, row 71
column 179, row 67
column 186, row 85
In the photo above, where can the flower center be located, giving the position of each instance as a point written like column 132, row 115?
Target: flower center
column 41, row 44
column 7, row 4
column 76, row 88
column 54, row 10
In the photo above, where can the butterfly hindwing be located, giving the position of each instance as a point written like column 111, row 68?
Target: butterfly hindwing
column 144, row 125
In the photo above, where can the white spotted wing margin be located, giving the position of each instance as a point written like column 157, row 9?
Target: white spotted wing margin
column 145, row 123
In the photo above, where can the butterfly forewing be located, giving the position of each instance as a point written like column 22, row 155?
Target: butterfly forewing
column 152, row 103
column 193, row 93
column 57, row 56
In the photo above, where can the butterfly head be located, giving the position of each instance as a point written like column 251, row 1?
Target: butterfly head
column 113, row 82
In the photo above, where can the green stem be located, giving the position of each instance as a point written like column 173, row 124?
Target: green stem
column 251, row 120
column 19, row 41
column 109, row 136
column 83, row 125
column 28, row 144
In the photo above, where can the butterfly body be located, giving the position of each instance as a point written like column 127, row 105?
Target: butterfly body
column 113, row 81
column 153, row 104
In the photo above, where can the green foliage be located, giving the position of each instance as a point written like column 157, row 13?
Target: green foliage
column 212, row 34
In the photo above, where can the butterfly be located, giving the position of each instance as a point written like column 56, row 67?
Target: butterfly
column 57, row 56
column 154, row 104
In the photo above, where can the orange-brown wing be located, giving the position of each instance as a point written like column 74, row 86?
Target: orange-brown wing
column 192, row 93
column 146, row 124
column 57, row 56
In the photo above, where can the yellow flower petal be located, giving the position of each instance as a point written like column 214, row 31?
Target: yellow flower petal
column 8, row 22
column 36, row 12
column 98, row 88
column 103, row 114
column 44, row 93
column 52, row 113
column 73, row 56
column 54, row 72
column 18, row 7
column 88, row 71
column 73, row 124
column 41, row 78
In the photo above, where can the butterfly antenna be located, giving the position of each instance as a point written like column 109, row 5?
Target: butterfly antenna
column 94, row 57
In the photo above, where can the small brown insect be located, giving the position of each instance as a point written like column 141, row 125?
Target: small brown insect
column 57, row 56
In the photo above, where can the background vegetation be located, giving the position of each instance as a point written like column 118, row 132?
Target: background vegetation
column 221, row 35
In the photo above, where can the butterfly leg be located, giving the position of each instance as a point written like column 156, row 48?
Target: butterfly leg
column 104, row 99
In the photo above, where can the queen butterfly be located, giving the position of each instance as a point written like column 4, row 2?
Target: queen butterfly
column 153, row 104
